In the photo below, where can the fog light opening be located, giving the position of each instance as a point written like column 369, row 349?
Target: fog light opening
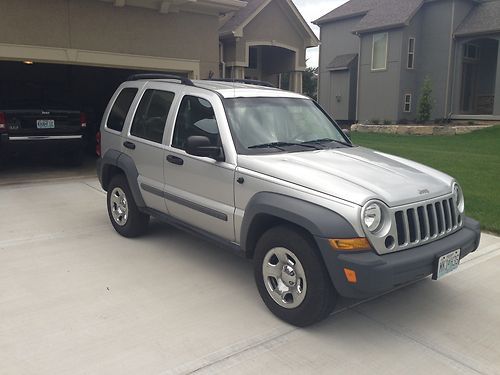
column 389, row 242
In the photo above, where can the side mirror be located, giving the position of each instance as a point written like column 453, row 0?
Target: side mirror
column 199, row 145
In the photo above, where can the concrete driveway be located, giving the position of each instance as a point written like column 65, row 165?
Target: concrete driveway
column 76, row 298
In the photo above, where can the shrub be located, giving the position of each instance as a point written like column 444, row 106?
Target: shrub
column 387, row 122
column 471, row 122
column 374, row 121
column 403, row 121
column 425, row 103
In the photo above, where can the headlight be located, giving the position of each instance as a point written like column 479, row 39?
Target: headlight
column 372, row 217
column 459, row 198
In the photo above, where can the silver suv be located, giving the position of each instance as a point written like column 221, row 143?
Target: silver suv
column 267, row 172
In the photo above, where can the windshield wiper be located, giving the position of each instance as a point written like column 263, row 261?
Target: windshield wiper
column 280, row 145
column 326, row 140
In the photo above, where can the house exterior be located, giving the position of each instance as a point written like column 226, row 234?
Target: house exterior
column 375, row 55
column 265, row 40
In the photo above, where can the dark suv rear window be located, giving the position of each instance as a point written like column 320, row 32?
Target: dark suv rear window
column 116, row 118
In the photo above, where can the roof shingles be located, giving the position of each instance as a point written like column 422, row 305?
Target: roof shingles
column 376, row 14
column 484, row 18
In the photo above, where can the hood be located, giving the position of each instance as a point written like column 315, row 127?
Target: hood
column 355, row 174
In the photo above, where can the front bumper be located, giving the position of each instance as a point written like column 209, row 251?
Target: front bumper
column 380, row 273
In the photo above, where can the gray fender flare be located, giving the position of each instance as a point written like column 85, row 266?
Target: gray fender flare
column 126, row 164
column 317, row 220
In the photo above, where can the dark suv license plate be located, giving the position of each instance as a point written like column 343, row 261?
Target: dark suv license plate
column 45, row 124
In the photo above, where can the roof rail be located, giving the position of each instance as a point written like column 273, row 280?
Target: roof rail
column 247, row 81
column 136, row 77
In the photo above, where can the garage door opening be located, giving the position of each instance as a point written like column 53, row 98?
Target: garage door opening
column 86, row 89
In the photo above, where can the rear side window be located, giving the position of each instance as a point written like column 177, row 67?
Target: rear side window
column 116, row 118
column 196, row 117
column 151, row 116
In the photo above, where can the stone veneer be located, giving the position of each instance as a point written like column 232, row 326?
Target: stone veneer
column 418, row 129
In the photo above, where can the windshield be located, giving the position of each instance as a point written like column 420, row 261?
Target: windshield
column 281, row 124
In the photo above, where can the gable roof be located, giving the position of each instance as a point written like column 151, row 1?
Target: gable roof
column 483, row 18
column 246, row 13
column 376, row 14
column 243, row 16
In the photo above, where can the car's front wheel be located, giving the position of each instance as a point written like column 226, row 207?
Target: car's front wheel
column 122, row 209
column 291, row 277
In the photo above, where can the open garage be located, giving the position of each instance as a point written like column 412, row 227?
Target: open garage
column 73, row 54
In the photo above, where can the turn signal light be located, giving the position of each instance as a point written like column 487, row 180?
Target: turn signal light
column 350, row 244
column 350, row 275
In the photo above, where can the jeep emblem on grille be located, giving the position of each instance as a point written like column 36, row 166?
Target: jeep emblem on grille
column 423, row 191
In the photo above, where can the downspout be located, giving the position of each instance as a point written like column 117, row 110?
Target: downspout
column 447, row 95
column 358, row 78
column 221, row 59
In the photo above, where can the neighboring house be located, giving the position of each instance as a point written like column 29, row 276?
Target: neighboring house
column 266, row 40
column 375, row 54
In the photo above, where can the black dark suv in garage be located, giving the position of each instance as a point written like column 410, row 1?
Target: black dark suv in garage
column 52, row 128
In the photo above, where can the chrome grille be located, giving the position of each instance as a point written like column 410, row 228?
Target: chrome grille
column 425, row 222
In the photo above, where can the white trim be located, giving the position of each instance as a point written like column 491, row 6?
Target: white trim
column 386, row 50
column 44, row 137
column 407, row 102
column 312, row 35
column 97, row 58
column 412, row 53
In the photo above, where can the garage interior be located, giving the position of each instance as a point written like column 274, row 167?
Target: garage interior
column 56, row 86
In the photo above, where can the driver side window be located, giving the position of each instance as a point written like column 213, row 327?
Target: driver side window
column 196, row 117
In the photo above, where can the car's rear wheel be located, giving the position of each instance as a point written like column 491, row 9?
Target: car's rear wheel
column 291, row 277
column 122, row 209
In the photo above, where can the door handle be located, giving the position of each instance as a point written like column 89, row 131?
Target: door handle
column 129, row 145
column 175, row 160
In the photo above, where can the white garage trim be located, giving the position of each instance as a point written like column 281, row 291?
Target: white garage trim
column 97, row 58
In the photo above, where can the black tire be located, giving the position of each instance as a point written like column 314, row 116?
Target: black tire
column 320, row 295
column 136, row 222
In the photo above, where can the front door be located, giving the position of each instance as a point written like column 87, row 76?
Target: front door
column 199, row 190
column 469, row 78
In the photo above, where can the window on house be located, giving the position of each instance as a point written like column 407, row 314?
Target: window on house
column 411, row 53
column 407, row 103
column 471, row 51
column 379, row 51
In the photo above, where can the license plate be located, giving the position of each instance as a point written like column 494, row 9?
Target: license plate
column 446, row 264
column 45, row 124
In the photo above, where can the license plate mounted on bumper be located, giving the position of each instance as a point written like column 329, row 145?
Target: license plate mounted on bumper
column 446, row 264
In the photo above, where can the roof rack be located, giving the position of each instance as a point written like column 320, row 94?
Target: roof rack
column 247, row 81
column 136, row 77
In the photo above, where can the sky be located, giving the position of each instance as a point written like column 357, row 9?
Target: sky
column 312, row 10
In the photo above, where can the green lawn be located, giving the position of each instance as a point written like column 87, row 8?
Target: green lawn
column 473, row 159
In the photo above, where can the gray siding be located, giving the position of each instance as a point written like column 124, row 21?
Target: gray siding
column 338, row 40
column 379, row 90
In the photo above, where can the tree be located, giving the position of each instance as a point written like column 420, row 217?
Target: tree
column 425, row 103
column 310, row 82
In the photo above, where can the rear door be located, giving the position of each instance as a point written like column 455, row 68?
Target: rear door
column 144, row 142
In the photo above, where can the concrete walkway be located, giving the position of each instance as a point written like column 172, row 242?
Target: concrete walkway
column 76, row 298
